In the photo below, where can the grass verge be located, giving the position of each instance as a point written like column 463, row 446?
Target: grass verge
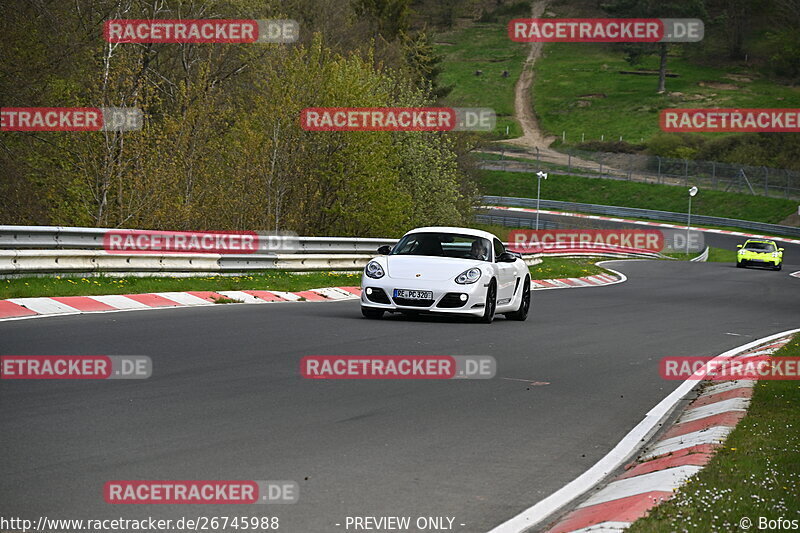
column 71, row 286
column 579, row 90
column 756, row 475
column 559, row 267
column 485, row 48
column 639, row 195
column 278, row 281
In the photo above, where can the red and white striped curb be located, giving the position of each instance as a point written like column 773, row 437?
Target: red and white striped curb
column 569, row 283
column 667, row 464
column 17, row 308
column 67, row 305
column 644, row 223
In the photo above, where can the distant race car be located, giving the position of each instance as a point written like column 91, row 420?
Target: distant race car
column 759, row 252
column 450, row 271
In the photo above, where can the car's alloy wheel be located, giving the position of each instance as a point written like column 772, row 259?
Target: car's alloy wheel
column 369, row 312
column 778, row 266
column 524, row 304
column 491, row 303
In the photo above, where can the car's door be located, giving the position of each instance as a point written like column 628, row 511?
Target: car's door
column 506, row 274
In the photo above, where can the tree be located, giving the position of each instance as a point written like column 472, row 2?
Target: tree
column 654, row 9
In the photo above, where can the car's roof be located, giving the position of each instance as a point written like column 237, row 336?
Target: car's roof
column 452, row 229
column 760, row 240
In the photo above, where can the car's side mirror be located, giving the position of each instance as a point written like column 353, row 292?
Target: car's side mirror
column 385, row 249
column 738, row 245
column 780, row 249
column 506, row 257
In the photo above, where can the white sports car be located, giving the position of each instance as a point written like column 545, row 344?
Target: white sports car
column 447, row 270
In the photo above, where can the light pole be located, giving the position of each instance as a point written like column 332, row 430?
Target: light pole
column 692, row 192
column 540, row 175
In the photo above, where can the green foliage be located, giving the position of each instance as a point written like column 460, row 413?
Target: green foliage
column 222, row 147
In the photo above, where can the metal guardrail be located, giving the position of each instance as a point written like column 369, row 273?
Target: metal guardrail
column 65, row 238
column 631, row 212
column 48, row 250
column 16, row 263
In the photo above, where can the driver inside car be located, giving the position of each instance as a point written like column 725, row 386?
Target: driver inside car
column 478, row 250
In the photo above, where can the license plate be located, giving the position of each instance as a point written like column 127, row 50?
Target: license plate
column 410, row 294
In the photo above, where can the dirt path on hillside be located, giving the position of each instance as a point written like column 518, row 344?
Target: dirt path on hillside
column 533, row 137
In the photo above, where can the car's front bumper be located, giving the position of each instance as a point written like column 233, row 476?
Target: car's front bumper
column 760, row 259
column 447, row 296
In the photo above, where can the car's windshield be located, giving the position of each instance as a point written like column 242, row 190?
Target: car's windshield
column 760, row 246
column 444, row 245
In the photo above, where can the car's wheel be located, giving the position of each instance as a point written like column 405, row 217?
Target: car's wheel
column 491, row 303
column 739, row 264
column 778, row 266
column 524, row 304
column 369, row 312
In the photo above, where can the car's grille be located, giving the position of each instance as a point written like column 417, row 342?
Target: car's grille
column 376, row 295
column 452, row 300
column 413, row 303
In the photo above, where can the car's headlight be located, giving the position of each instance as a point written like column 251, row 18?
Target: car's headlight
column 470, row 276
column 374, row 270
column 776, row 254
column 741, row 251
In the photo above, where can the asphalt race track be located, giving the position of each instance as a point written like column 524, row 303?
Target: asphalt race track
column 226, row 400
column 791, row 254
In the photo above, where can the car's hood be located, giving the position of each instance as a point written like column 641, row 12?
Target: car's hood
column 757, row 252
column 428, row 268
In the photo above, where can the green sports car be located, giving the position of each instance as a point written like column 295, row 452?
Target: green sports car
column 759, row 252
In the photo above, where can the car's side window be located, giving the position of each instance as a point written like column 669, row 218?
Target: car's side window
column 498, row 248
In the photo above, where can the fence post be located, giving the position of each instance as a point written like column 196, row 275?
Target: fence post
column 788, row 181
column 659, row 168
column 714, row 174
column 686, row 172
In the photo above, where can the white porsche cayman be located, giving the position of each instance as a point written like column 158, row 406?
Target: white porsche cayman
column 447, row 270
